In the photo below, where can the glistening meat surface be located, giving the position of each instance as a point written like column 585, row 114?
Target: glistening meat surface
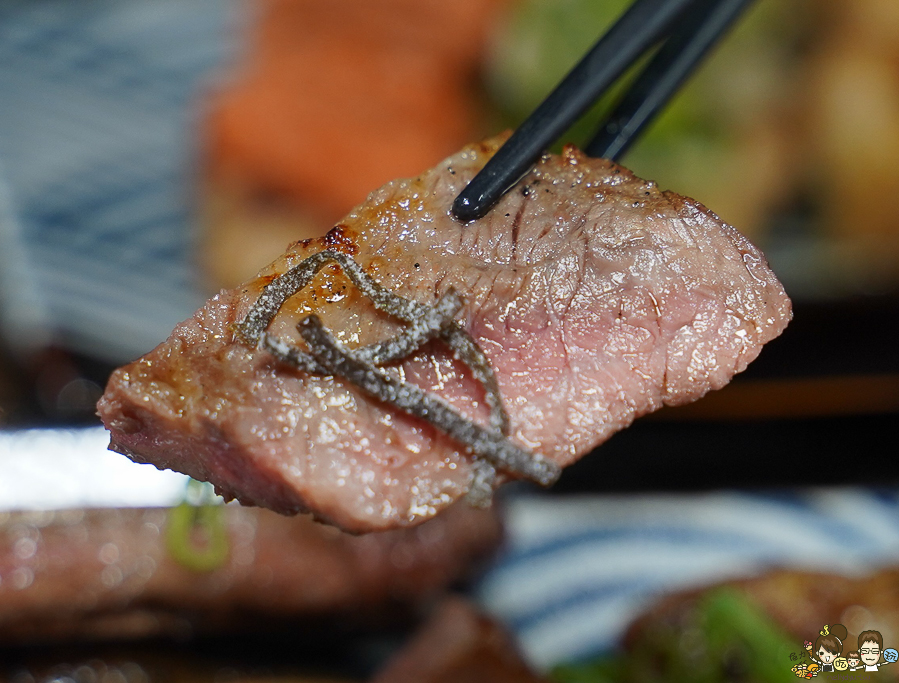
column 596, row 297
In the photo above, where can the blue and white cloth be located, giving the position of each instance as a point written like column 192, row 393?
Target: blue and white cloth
column 98, row 128
column 578, row 569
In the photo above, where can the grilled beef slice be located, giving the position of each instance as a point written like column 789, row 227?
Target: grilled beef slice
column 111, row 574
column 596, row 297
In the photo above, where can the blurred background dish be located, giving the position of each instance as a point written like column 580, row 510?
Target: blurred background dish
column 152, row 152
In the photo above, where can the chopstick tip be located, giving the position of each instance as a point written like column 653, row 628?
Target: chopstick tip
column 466, row 209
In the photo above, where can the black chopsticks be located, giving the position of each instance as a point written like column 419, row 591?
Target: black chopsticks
column 695, row 33
column 689, row 29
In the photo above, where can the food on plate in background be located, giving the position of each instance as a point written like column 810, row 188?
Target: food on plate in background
column 752, row 630
column 721, row 637
column 797, row 93
column 595, row 297
column 457, row 643
column 722, row 139
column 850, row 138
column 453, row 642
column 332, row 100
column 764, row 132
column 112, row 574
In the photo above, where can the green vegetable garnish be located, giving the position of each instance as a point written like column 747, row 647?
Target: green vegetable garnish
column 196, row 536
column 723, row 637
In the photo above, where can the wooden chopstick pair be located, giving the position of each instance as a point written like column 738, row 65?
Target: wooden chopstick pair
column 686, row 29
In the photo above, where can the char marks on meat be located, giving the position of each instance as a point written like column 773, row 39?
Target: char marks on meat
column 596, row 298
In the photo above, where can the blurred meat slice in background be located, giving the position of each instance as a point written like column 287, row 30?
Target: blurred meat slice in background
column 457, row 643
column 125, row 574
